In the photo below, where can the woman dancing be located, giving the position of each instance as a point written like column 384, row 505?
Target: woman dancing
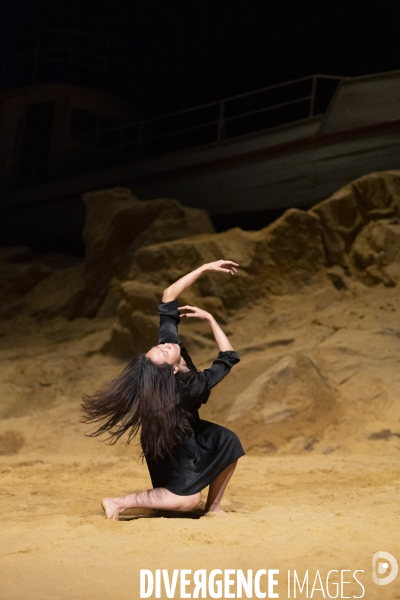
column 160, row 393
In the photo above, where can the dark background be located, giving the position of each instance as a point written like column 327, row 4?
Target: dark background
column 189, row 52
column 186, row 52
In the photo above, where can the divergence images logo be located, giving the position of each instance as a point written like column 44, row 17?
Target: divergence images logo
column 379, row 567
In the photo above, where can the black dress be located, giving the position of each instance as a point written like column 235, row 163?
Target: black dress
column 198, row 461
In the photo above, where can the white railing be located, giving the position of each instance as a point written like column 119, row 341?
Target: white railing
column 215, row 122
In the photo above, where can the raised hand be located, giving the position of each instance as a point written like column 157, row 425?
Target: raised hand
column 193, row 311
column 222, row 266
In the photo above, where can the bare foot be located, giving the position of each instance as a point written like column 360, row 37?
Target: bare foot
column 215, row 511
column 111, row 508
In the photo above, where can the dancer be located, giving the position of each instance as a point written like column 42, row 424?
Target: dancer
column 160, row 393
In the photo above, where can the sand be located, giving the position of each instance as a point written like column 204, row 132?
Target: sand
column 315, row 491
column 315, row 399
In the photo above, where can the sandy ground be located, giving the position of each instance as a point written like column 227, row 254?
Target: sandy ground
column 314, row 492
column 302, row 513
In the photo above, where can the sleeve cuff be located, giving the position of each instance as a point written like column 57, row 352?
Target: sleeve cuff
column 232, row 355
column 169, row 309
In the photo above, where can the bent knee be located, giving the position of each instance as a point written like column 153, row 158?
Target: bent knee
column 189, row 502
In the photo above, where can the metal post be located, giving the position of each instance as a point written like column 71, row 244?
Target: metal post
column 221, row 121
column 313, row 91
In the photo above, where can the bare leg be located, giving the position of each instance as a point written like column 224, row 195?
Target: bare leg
column 158, row 498
column 217, row 488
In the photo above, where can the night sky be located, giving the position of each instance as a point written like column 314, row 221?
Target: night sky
column 188, row 52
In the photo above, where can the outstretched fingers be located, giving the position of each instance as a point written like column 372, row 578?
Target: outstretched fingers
column 187, row 308
column 223, row 266
column 231, row 271
column 227, row 266
column 193, row 311
column 229, row 262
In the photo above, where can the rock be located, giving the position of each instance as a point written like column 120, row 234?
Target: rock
column 141, row 296
column 261, row 450
column 284, row 258
column 109, row 306
column 292, row 390
column 344, row 214
column 117, row 224
column 120, row 343
column 21, row 273
column 310, row 443
column 338, row 277
column 390, row 244
column 23, row 277
column 213, row 305
column 346, row 235
column 380, row 275
column 384, row 434
column 16, row 280
column 330, row 449
column 289, row 254
column 341, row 221
column 55, row 294
column 11, row 442
column 361, row 342
column 299, row 444
column 375, row 247
column 16, row 254
column 58, row 260
column 152, row 243
column 136, row 329
column 160, row 264
column 279, row 399
column 132, row 334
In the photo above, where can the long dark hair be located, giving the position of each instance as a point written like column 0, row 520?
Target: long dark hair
column 144, row 396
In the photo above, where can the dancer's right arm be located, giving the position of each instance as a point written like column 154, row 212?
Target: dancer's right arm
column 225, row 360
column 193, row 311
column 222, row 266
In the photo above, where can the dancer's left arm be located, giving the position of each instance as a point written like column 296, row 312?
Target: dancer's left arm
column 169, row 315
column 168, row 330
column 222, row 266
column 169, row 321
